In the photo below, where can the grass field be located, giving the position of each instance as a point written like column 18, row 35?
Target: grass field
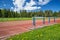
column 47, row 33
column 19, row 19
column 13, row 19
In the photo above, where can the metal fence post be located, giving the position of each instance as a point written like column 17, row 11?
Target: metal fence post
column 43, row 20
column 49, row 20
column 34, row 21
column 54, row 20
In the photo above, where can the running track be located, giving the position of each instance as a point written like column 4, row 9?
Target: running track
column 14, row 27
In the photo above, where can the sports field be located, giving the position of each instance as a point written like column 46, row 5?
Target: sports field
column 10, row 28
column 13, row 19
column 47, row 33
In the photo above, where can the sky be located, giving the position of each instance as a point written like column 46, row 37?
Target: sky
column 29, row 5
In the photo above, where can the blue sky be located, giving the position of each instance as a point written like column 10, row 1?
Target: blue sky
column 36, row 5
column 52, row 5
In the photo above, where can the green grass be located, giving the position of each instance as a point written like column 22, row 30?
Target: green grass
column 47, row 33
column 18, row 19
column 13, row 19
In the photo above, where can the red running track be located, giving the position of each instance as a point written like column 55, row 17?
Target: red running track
column 14, row 27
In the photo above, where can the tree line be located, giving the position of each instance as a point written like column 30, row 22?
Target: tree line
column 7, row 13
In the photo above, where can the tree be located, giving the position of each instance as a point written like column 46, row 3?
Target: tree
column 0, row 13
column 23, row 13
column 48, row 13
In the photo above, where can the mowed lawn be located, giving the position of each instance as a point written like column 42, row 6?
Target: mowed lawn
column 21, row 19
column 16, row 19
column 47, row 33
column 13, row 19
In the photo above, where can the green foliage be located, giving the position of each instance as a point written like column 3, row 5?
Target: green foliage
column 7, row 13
column 48, row 13
column 47, row 33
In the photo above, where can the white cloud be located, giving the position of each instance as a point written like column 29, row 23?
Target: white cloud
column 41, row 2
column 29, row 6
column 19, row 4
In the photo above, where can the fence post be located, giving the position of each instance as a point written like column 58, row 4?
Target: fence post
column 54, row 20
column 33, row 21
column 49, row 20
column 43, row 20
